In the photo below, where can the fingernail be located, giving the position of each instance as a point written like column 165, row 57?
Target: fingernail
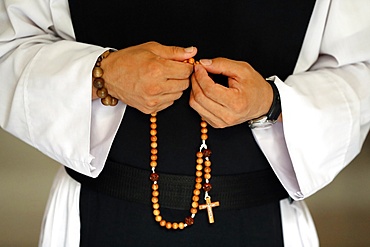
column 189, row 49
column 206, row 61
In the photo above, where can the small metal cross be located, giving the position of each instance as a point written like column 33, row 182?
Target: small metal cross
column 209, row 205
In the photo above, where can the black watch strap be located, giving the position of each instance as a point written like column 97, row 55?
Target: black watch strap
column 272, row 115
column 275, row 109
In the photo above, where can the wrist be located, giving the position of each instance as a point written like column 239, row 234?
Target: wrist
column 274, row 112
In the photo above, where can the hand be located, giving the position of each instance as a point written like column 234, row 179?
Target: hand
column 150, row 76
column 248, row 95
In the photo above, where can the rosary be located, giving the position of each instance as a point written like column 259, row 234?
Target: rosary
column 203, row 164
column 202, row 170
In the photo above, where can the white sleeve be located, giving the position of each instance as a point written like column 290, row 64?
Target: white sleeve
column 326, row 107
column 46, row 86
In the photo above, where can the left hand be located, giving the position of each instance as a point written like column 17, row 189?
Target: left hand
column 248, row 96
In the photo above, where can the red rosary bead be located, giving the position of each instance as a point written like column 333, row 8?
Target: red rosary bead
column 207, row 187
column 154, row 177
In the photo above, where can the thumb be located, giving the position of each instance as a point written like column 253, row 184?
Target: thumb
column 175, row 52
column 223, row 66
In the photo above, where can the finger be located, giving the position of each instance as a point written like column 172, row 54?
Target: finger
column 176, row 85
column 205, row 106
column 210, row 89
column 206, row 115
column 177, row 70
column 173, row 52
column 226, row 67
column 155, row 104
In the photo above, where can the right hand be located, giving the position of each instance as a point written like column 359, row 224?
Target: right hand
column 148, row 77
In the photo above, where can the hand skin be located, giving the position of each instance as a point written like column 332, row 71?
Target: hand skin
column 248, row 96
column 148, row 77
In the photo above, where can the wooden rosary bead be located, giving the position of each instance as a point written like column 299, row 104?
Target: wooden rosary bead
column 158, row 218
column 107, row 100
column 198, row 186
column 181, row 225
column 106, row 54
column 175, row 225
column 97, row 72
column 154, row 157
column 98, row 83
column 207, row 169
column 156, row 212
column 155, row 193
column 114, row 101
column 168, row 225
column 102, row 93
column 155, row 186
column 207, row 163
column 153, row 164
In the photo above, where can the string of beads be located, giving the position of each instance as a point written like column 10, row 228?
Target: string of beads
column 202, row 169
column 99, row 83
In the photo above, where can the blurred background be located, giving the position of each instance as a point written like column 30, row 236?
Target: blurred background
column 341, row 211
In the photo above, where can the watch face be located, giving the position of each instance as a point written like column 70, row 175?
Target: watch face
column 260, row 123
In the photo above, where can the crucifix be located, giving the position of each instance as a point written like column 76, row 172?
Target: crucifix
column 209, row 205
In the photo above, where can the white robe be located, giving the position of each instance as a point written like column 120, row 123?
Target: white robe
column 45, row 97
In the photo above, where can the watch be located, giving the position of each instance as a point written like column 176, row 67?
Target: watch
column 272, row 115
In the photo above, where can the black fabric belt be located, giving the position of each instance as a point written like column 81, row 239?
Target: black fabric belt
column 232, row 191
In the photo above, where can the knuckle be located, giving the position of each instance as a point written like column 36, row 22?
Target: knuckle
column 207, row 90
column 151, row 43
column 198, row 97
column 146, row 111
column 154, row 69
column 192, row 102
column 246, row 67
column 228, row 120
column 183, row 85
column 177, row 96
column 150, row 104
column 153, row 90
column 174, row 49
